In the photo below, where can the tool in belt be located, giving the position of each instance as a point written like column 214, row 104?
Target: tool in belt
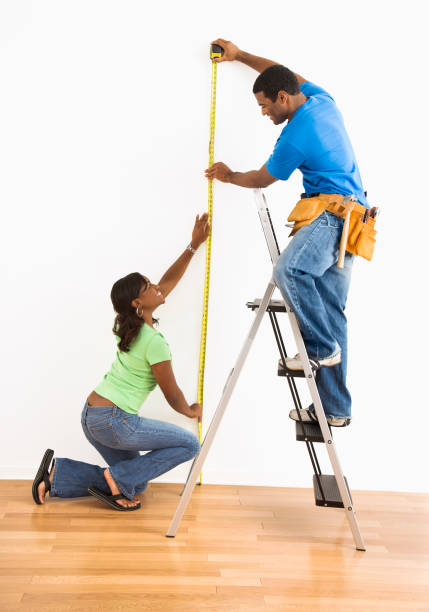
column 358, row 236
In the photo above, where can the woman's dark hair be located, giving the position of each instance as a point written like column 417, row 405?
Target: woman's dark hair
column 127, row 323
column 274, row 79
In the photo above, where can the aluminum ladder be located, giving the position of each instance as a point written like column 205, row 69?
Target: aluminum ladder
column 329, row 490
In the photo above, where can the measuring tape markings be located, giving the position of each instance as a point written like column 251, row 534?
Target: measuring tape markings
column 215, row 51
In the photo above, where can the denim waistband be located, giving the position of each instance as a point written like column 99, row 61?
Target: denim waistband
column 115, row 409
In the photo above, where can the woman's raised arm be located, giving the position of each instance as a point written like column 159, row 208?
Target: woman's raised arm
column 175, row 272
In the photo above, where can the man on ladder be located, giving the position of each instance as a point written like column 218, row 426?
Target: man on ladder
column 308, row 272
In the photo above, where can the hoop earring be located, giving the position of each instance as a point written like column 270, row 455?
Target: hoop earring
column 139, row 314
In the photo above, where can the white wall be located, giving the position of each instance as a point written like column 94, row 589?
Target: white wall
column 104, row 138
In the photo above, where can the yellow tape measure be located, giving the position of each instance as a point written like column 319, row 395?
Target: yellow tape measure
column 215, row 51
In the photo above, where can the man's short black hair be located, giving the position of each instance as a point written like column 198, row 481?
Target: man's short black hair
column 274, row 79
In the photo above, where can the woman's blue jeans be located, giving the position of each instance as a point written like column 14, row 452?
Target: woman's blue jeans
column 308, row 278
column 119, row 436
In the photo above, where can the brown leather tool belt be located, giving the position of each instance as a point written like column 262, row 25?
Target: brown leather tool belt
column 359, row 227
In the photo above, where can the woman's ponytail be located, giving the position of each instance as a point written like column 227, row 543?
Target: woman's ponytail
column 127, row 328
column 127, row 323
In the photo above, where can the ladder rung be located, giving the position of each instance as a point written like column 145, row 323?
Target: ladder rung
column 308, row 432
column 273, row 306
column 330, row 491
column 281, row 371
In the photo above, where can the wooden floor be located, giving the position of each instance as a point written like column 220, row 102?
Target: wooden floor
column 238, row 549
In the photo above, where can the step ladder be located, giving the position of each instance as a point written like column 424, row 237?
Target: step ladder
column 329, row 490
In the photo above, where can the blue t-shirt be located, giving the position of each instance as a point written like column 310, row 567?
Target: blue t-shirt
column 316, row 142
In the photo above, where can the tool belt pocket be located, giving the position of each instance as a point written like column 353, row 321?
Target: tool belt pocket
column 305, row 212
column 361, row 236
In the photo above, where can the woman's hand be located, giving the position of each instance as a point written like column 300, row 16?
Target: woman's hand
column 195, row 411
column 175, row 272
column 201, row 230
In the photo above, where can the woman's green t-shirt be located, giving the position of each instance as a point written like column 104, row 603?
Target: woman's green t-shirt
column 130, row 379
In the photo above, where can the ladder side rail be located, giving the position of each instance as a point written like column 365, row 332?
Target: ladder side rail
column 310, row 446
column 291, row 382
column 298, row 405
column 297, row 401
column 220, row 410
column 317, row 470
column 267, row 226
column 339, row 476
column 271, row 223
column 273, row 248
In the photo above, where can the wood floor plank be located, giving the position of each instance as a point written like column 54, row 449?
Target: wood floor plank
column 192, row 602
column 325, row 604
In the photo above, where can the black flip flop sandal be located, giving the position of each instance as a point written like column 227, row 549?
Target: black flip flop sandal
column 110, row 499
column 43, row 475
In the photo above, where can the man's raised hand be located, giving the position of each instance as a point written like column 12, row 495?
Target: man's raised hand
column 230, row 51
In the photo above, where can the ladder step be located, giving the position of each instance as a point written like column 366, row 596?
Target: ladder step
column 308, row 432
column 274, row 305
column 281, row 371
column 330, row 491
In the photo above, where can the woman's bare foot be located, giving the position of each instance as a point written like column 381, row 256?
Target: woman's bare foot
column 127, row 503
column 41, row 488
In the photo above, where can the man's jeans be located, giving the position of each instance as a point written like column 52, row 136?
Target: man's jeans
column 308, row 278
column 119, row 436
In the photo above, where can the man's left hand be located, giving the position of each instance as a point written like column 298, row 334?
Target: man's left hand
column 219, row 171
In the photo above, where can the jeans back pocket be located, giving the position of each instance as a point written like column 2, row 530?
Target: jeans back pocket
column 100, row 428
column 99, row 417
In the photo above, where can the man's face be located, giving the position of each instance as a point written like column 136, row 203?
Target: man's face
column 277, row 111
